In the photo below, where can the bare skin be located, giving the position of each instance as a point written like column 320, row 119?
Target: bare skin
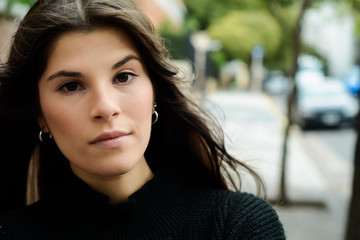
column 97, row 101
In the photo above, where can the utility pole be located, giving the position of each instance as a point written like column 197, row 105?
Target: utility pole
column 202, row 45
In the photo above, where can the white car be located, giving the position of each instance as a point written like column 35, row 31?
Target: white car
column 325, row 103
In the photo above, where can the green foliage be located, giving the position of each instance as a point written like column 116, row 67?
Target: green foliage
column 281, row 2
column 176, row 45
column 281, row 59
column 355, row 8
column 204, row 12
column 219, row 58
column 9, row 3
column 240, row 31
column 27, row 2
column 270, row 23
column 357, row 26
column 308, row 50
column 175, row 40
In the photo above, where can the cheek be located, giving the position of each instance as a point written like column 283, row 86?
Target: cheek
column 142, row 102
column 141, row 113
column 59, row 119
column 63, row 126
column 142, row 109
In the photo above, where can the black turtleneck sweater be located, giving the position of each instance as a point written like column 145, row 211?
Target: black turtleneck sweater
column 164, row 208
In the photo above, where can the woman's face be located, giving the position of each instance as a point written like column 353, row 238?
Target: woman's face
column 97, row 101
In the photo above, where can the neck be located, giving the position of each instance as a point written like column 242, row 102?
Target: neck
column 119, row 187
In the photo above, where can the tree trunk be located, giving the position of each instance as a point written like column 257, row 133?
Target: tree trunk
column 353, row 221
column 297, row 45
column 353, row 229
column 283, row 198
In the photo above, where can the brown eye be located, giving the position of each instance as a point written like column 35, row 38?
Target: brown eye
column 124, row 77
column 71, row 87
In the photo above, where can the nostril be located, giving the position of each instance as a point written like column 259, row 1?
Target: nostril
column 115, row 114
column 106, row 116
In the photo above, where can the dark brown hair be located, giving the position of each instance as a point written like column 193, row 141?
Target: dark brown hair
column 185, row 138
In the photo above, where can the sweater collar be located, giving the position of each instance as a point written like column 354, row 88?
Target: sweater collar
column 162, row 203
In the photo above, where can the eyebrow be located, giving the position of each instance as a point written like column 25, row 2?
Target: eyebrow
column 125, row 60
column 64, row 73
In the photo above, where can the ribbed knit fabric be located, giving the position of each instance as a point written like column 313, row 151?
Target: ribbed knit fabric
column 164, row 208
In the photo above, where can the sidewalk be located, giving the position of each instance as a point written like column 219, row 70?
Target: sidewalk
column 254, row 127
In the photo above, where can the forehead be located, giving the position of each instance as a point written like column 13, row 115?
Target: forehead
column 92, row 40
column 74, row 44
column 89, row 52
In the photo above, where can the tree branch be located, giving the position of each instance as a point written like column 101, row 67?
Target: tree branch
column 273, row 8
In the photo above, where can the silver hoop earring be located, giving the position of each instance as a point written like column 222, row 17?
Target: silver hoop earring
column 156, row 114
column 46, row 139
column 156, row 117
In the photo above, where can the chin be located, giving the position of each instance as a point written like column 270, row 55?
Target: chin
column 114, row 170
column 122, row 167
column 103, row 170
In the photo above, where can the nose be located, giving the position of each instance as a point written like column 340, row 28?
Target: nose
column 105, row 105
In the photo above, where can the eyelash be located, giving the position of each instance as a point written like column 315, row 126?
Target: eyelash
column 64, row 86
column 122, row 74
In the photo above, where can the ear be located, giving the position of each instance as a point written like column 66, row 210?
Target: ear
column 43, row 125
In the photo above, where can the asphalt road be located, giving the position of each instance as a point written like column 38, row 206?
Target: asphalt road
column 331, row 150
column 319, row 162
column 340, row 140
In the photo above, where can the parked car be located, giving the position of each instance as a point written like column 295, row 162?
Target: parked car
column 276, row 83
column 308, row 77
column 352, row 79
column 325, row 103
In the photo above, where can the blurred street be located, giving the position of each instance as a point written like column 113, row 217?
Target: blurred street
column 320, row 161
column 250, row 45
column 319, row 168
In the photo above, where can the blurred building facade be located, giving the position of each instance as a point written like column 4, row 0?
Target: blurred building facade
column 332, row 34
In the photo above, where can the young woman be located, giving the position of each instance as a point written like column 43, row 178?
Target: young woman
column 98, row 142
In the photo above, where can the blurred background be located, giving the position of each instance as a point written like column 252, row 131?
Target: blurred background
column 283, row 78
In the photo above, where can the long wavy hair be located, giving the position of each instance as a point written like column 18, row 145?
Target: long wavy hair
column 185, row 138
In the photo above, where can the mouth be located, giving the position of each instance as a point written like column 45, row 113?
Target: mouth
column 110, row 139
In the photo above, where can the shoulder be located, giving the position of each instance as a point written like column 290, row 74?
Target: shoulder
column 243, row 214
column 235, row 201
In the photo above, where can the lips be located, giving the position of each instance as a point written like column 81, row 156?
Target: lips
column 110, row 139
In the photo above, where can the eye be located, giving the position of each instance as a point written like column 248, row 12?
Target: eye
column 124, row 77
column 71, row 87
